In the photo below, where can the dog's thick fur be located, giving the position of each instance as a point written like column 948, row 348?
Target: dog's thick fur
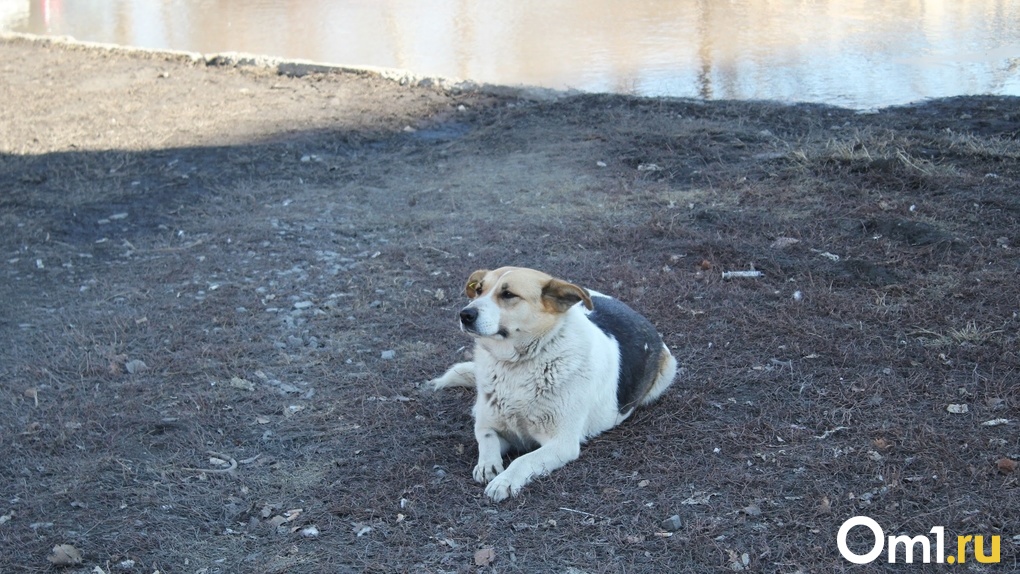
column 554, row 364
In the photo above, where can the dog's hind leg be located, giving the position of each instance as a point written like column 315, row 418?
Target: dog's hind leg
column 459, row 375
column 667, row 372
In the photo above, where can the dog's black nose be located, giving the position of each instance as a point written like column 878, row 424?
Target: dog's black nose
column 468, row 315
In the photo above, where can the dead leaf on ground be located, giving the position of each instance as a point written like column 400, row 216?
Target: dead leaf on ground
column 699, row 498
column 825, row 506
column 280, row 520
column 116, row 363
column 995, row 402
column 135, row 366
column 243, row 384
column 65, row 555
column 485, row 556
column 739, row 563
column 882, row 444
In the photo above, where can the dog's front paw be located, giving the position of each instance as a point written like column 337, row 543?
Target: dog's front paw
column 438, row 383
column 459, row 375
column 486, row 471
column 502, row 487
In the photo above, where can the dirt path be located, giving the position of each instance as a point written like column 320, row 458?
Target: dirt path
column 224, row 268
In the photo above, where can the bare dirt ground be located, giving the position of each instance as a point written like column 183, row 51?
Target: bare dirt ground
column 224, row 288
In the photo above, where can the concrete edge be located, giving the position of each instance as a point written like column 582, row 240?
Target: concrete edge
column 298, row 68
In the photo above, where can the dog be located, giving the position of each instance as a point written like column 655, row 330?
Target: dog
column 554, row 364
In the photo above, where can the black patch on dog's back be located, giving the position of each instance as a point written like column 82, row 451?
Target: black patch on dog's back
column 640, row 348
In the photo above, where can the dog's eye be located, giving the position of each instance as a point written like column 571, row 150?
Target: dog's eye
column 507, row 295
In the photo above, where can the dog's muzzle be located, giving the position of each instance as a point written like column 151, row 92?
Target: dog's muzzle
column 468, row 316
column 469, row 322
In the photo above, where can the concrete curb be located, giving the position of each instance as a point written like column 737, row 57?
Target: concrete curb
column 299, row 68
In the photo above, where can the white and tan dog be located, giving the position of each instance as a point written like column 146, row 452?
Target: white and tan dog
column 554, row 365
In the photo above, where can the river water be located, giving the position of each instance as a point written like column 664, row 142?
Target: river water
column 855, row 53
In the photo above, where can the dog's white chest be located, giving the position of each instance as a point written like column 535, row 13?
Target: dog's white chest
column 525, row 399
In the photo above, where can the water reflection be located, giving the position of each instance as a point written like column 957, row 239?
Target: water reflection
column 860, row 53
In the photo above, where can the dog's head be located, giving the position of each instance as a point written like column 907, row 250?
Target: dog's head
column 517, row 304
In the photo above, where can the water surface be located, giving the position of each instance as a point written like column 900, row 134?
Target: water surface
column 857, row 53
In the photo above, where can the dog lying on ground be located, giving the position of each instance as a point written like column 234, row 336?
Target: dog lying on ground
column 554, row 364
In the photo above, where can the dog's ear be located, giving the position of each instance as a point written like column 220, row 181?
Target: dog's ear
column 474, row 283
column 559, row 296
